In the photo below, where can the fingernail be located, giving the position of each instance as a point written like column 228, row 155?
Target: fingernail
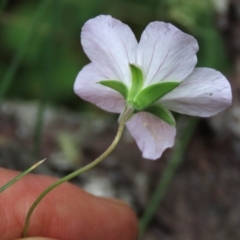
column 115, row 201
column 36, row 238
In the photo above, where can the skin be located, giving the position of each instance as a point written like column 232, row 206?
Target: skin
column 66, row 213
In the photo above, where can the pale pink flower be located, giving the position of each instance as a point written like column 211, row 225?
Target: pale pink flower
column 164, row 54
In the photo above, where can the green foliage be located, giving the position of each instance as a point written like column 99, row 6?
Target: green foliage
column 137, row 82
column 162, row 113
column 152, row 93
column 117, row 86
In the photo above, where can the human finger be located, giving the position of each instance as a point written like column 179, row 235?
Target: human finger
column 67, row 212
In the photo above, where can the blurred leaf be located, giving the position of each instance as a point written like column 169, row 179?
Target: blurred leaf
column 8, row 77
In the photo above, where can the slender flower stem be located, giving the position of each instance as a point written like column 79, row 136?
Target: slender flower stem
column 124, row 117
column 7, row 185
column 50, row 50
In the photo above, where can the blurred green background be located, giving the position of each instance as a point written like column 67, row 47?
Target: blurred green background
column 40, row 44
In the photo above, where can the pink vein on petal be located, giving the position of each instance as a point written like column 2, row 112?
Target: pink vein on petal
column 124, row 47
column 160, row 67
column 112, row 57
column 171, row 70
column 151, row 58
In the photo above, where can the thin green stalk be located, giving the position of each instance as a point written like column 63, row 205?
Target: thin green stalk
column 7, row 79
column 21, row 175
column 165, row 180
column 122, row 121
column 48, row 75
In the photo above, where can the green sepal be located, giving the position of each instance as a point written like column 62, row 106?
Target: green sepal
column 137, row 82
column 152, row 93
column 117, row 86
column 162, row 113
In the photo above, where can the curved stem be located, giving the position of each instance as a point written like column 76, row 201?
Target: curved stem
column 122, row 120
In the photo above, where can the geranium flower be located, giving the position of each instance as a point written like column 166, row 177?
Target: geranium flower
column 153, row 76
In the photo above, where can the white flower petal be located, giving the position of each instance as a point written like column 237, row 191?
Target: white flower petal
column 166, row 53
column 111, row 46
column 204, row 93
column 86, row 86
column 152, row 134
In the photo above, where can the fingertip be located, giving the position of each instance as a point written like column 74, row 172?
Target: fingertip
column 66, row 213
column 125, row 218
